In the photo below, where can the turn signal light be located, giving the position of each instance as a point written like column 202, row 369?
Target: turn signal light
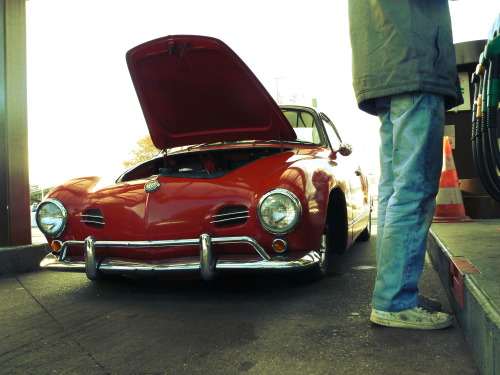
column 56, row 245
column 279, row 245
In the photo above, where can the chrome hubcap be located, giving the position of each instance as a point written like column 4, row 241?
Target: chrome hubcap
column 322, row 252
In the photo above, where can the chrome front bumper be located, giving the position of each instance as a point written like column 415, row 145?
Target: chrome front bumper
column 206, row 264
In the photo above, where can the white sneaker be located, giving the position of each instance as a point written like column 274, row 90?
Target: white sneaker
column 416, row 318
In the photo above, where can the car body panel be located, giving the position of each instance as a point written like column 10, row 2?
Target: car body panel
column 132, row 214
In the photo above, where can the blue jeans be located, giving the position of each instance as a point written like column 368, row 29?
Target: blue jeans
column 411, row 152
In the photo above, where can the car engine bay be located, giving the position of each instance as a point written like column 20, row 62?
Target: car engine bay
column 199, row 163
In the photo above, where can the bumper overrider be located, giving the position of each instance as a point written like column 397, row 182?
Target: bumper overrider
column 207, row 265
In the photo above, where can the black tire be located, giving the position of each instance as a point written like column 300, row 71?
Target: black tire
column 367, row 232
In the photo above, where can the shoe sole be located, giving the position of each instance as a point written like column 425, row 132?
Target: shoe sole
column 406, row 324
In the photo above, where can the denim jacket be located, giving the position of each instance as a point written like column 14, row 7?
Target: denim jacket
column 401, row 46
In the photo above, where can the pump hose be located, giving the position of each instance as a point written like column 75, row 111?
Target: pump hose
column 492, row 135
column 485, row 149
column 492, row 105
column 492, row 53
column 478, row 122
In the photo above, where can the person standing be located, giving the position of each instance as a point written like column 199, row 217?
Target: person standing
column 404, row 72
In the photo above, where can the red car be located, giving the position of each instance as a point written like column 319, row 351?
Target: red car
column 241, row 183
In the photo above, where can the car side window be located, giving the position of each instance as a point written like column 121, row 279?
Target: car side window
column 304, row 124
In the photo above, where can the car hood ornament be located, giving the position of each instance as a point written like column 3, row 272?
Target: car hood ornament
column 151, row 186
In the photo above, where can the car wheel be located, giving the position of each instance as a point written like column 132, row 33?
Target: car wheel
column 367, row 232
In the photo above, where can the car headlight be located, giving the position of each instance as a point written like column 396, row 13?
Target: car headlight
column 51, row 217
column 279, row 211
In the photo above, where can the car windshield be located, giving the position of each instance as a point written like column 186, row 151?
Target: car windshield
column 304, row 123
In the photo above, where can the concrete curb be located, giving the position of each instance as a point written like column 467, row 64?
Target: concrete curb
column 479, row 318
column 20, row 259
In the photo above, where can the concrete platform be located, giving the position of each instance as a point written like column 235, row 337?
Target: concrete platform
column 467, row 258
column 21, row 259
column 26, row 258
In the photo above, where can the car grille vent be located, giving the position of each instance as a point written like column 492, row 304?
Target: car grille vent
column 93, row 218
column 231, row 215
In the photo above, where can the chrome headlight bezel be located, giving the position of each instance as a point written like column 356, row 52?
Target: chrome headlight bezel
column 63, row 217
column 292, row 218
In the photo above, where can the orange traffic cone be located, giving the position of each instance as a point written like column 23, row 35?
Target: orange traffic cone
column 449, row 203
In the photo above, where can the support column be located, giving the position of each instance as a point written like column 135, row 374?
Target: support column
column 15, row 223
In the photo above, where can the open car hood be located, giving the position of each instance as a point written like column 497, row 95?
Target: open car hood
column 195, row 89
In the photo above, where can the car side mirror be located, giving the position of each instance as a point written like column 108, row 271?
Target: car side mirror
column 344, row 149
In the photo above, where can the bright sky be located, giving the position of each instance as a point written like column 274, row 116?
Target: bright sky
column 83, row 114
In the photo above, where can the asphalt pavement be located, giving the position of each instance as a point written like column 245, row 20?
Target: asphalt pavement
column 61, row 323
